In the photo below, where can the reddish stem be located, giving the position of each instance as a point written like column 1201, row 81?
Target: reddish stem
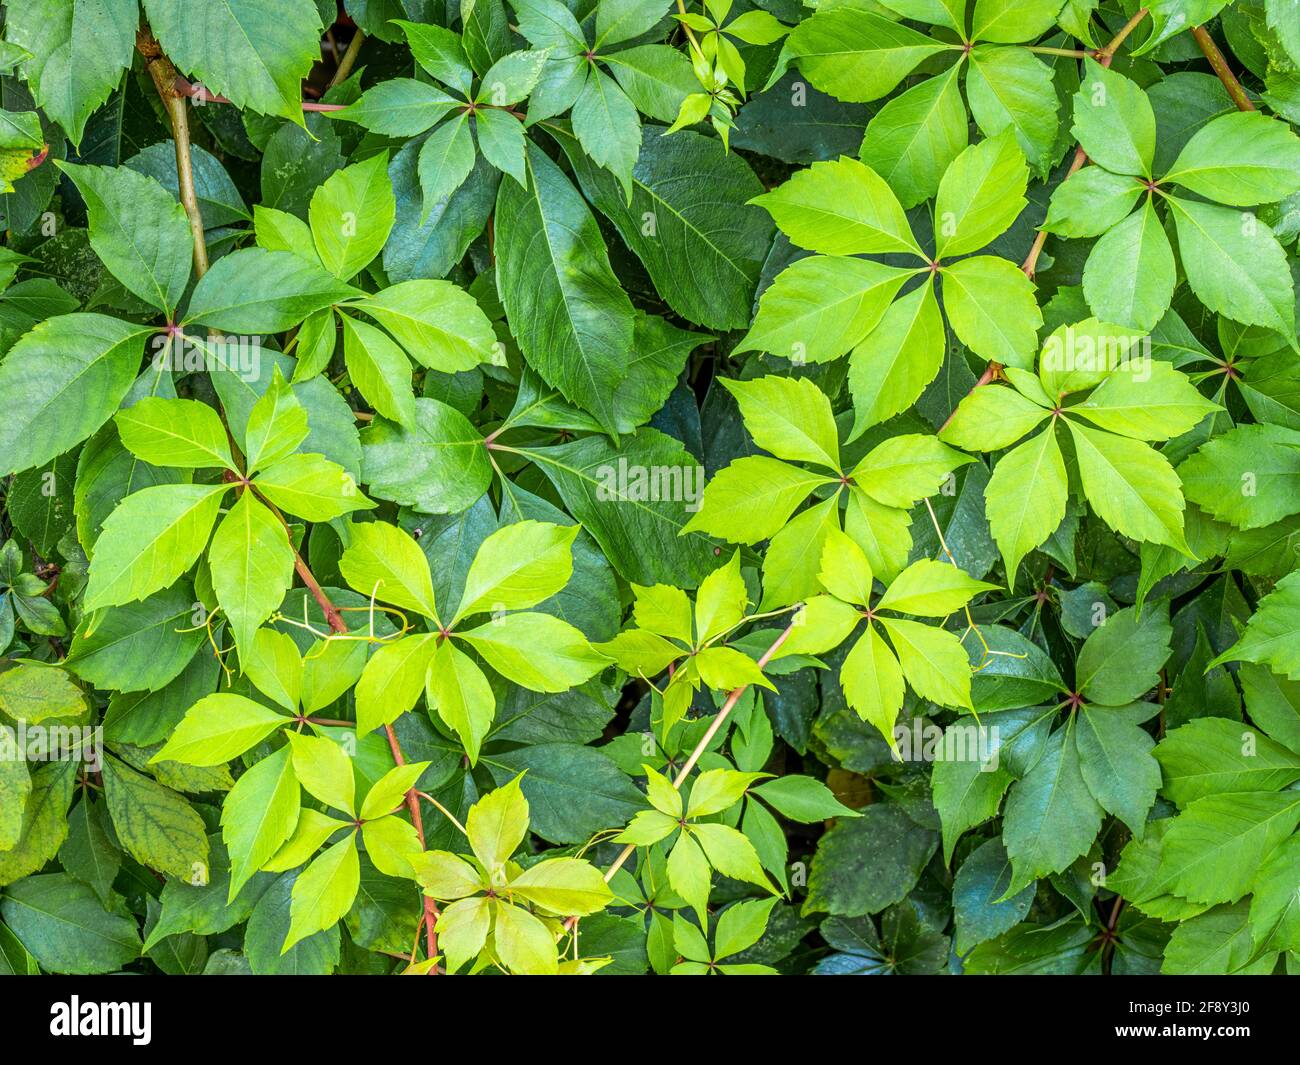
column 413, row 804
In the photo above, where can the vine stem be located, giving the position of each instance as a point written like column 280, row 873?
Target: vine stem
column 1105, row 57
column 413, row 804
column 346, row 63
column 1221, row 68
column 165, row 77
column 183, row 87
column 700, row 748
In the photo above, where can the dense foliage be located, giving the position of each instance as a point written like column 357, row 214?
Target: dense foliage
column 646, row 485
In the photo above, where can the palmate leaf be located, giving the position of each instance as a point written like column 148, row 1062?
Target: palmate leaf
column 634, row 412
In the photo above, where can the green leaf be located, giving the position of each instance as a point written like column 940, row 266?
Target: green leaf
column 45, row 822
column 138, row 230
column 257, row 54
column 1244, row 477
column 911, row 140
column 440, row 325
column 607, row 126
column 1114, row 122
column 1131, row 486
column 503, row 144
column 789, row 417
column 539, row 651
column 311, row 487
column 856, row 55
column 446, row 159
column 258, row 291
column 33, row 692
column 753, row 498
column 496, row 826
column 1157, row 403
column 174, row 432
column 821, row 306
column 636, row 500
column 440, row 52
column 991, row 308
column 563, row 886
column 1010, row 88
column 1115, row 760
column 1235, row 265
column 400, row 107
column 980, row 195
column 622, row 20
column 1270, row 636
column 1012, row 21
column 457, row 689
column 385, row 562
column 1129, row 276
column 1090, row 202
column 566, row 307
column 277, row 425
column 802, row 799
column 1214, row 849
column 79, row 50
column 392, row 681
column 324, row 892
column 380, row 370
column 720, row 603
column 438, row 465
column 864, row 864
column 511, row 77
column 259, row 815
column 1121, row 660
column 139, row 646
column 62, row 381
column 933, row 661
column 1242, row 158
column 151, row 539
column 518, row 566
column 840, row 208
column 1026, row 498
column 351, row 215
column 904, row 469
column 689, row 221
column 390, row 790
column 324, row 770
column 252, row 564
column 217, row 728
column 158, row 828
column 1051, row 817
column 890, row 369
column 65, row 926
column 931, row 589
column 1213, row 756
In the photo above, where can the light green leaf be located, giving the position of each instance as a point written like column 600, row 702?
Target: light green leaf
column 151, row 539
column 790, row 417
column 217, row 728
column 252, row 564
column 174, row 432
column 840, row 208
